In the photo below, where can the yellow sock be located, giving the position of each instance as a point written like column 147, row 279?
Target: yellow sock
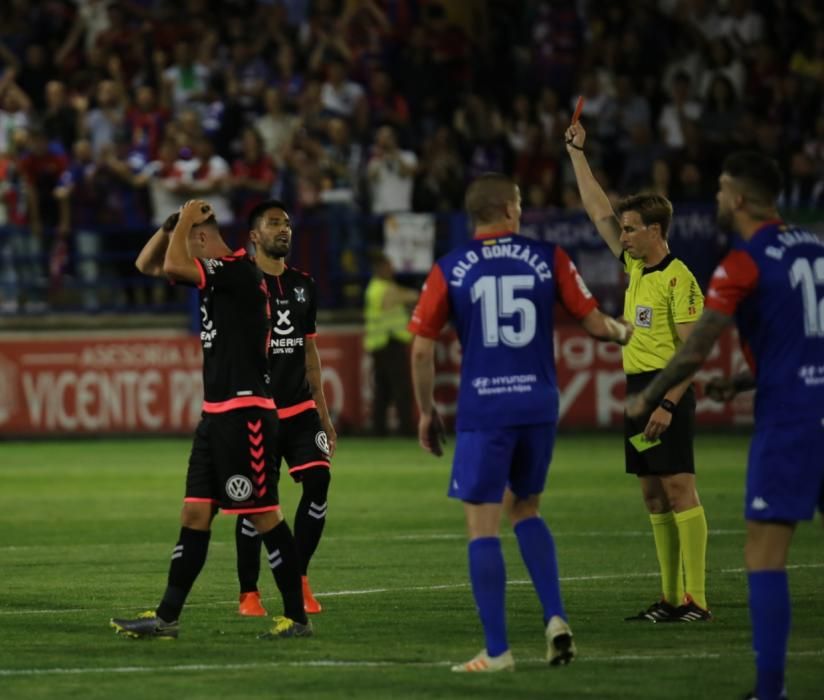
column 692, row 532
column 667, row 545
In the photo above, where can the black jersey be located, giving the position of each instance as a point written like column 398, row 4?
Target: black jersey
column 235, row 325
column 294, row 308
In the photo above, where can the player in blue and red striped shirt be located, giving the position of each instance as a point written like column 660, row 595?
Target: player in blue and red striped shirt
column 499, row 290
column 772, row 283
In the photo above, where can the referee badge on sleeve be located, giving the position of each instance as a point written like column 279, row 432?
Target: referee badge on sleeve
column 643, row 316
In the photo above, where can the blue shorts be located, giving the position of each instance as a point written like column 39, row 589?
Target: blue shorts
column 785, row 475
column 487, row 461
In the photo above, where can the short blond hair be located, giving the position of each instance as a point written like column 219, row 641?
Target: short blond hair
column 486, row 198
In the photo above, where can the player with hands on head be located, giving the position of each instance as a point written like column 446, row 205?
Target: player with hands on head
column 663, row 301
column 499, row 291
column 231, row 465
column 772, row 285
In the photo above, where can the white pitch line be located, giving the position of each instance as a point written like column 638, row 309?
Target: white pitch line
column 415, row 537
column 177, row 668
column 402, row 589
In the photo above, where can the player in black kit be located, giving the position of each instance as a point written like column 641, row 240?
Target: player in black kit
column 231, row 466
column 306, row 439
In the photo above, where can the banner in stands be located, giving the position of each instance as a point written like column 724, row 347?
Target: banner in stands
column 144, row 384
column 409, row 241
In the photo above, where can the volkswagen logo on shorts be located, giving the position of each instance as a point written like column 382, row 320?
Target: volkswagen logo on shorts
column 322, row 442
column 238, row 487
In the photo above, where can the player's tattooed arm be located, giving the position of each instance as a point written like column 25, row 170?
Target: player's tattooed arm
column 726, row 388
column 684, row 363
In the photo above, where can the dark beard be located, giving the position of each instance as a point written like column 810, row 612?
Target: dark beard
column 724, row 220
column 276, row 250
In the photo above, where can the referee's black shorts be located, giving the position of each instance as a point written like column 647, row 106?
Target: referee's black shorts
column 674, row 454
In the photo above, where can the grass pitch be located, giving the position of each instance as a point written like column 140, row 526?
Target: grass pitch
column 86, row 530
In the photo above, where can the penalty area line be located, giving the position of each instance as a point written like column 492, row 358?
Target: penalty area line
column 332, row 663
column 402, row 589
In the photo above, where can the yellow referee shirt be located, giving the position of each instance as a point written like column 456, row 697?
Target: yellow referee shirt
column 657, row 298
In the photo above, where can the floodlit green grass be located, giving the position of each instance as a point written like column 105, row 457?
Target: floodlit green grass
column 86, row 529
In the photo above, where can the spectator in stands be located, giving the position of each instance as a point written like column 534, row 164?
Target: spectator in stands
column 742, row 26
column 253, row 175
column 276, row 126
column 185, row 81
column 248, row 72
column 17, row 263
column 723, row 63
column 342, row 170
column 720, row 114
column 105, row 124
column 145, row 121
column 677, row 111
column 14, row 110
column 83, row 185
column 163, row 177
column 803, row 189
column 439, row 185
column 391, row 173
column 209, row 180
column 518, row 122
column 42, row 168
column 287, row 78
column 339, row 95
column 386, row 105
column 60, row 119
column 34, row 73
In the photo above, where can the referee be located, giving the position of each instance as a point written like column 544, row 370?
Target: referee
column 663, row 301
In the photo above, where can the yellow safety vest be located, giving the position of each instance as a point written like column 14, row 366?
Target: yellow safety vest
column 382, row 325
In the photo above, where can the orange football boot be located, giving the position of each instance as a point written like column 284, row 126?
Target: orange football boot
column 310, row 603
column 250, row 605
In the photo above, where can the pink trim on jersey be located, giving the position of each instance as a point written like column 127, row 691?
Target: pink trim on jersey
column 199, row 500
column 312, row 335
column 202, row 283
column 290, row 411
column 243, row 511
column 432, row 310
column 308, row 465
column 239, row 402
column 571, row 287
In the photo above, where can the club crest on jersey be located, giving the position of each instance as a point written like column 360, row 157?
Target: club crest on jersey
column 300, row 294
column 284, row 325
column 211, row 264
column 238, row 487
column 643, row 316
column 322, row 441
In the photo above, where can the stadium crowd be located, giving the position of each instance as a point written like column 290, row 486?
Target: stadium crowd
column 114, row 113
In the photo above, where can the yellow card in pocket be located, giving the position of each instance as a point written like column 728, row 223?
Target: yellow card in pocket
column 640, row 443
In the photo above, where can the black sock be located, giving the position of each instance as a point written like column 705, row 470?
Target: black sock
column 310, row 516
column 283, row 560
column 188, row 558
column 248, row 554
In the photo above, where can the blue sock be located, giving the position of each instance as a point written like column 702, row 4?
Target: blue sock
column 538, row 552
column 488, row 575
column 770, row 615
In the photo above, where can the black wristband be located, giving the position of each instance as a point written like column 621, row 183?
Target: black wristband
column 667, row 405
column 572, row 145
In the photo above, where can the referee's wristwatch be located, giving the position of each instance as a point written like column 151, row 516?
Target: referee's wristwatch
column 667, row 405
